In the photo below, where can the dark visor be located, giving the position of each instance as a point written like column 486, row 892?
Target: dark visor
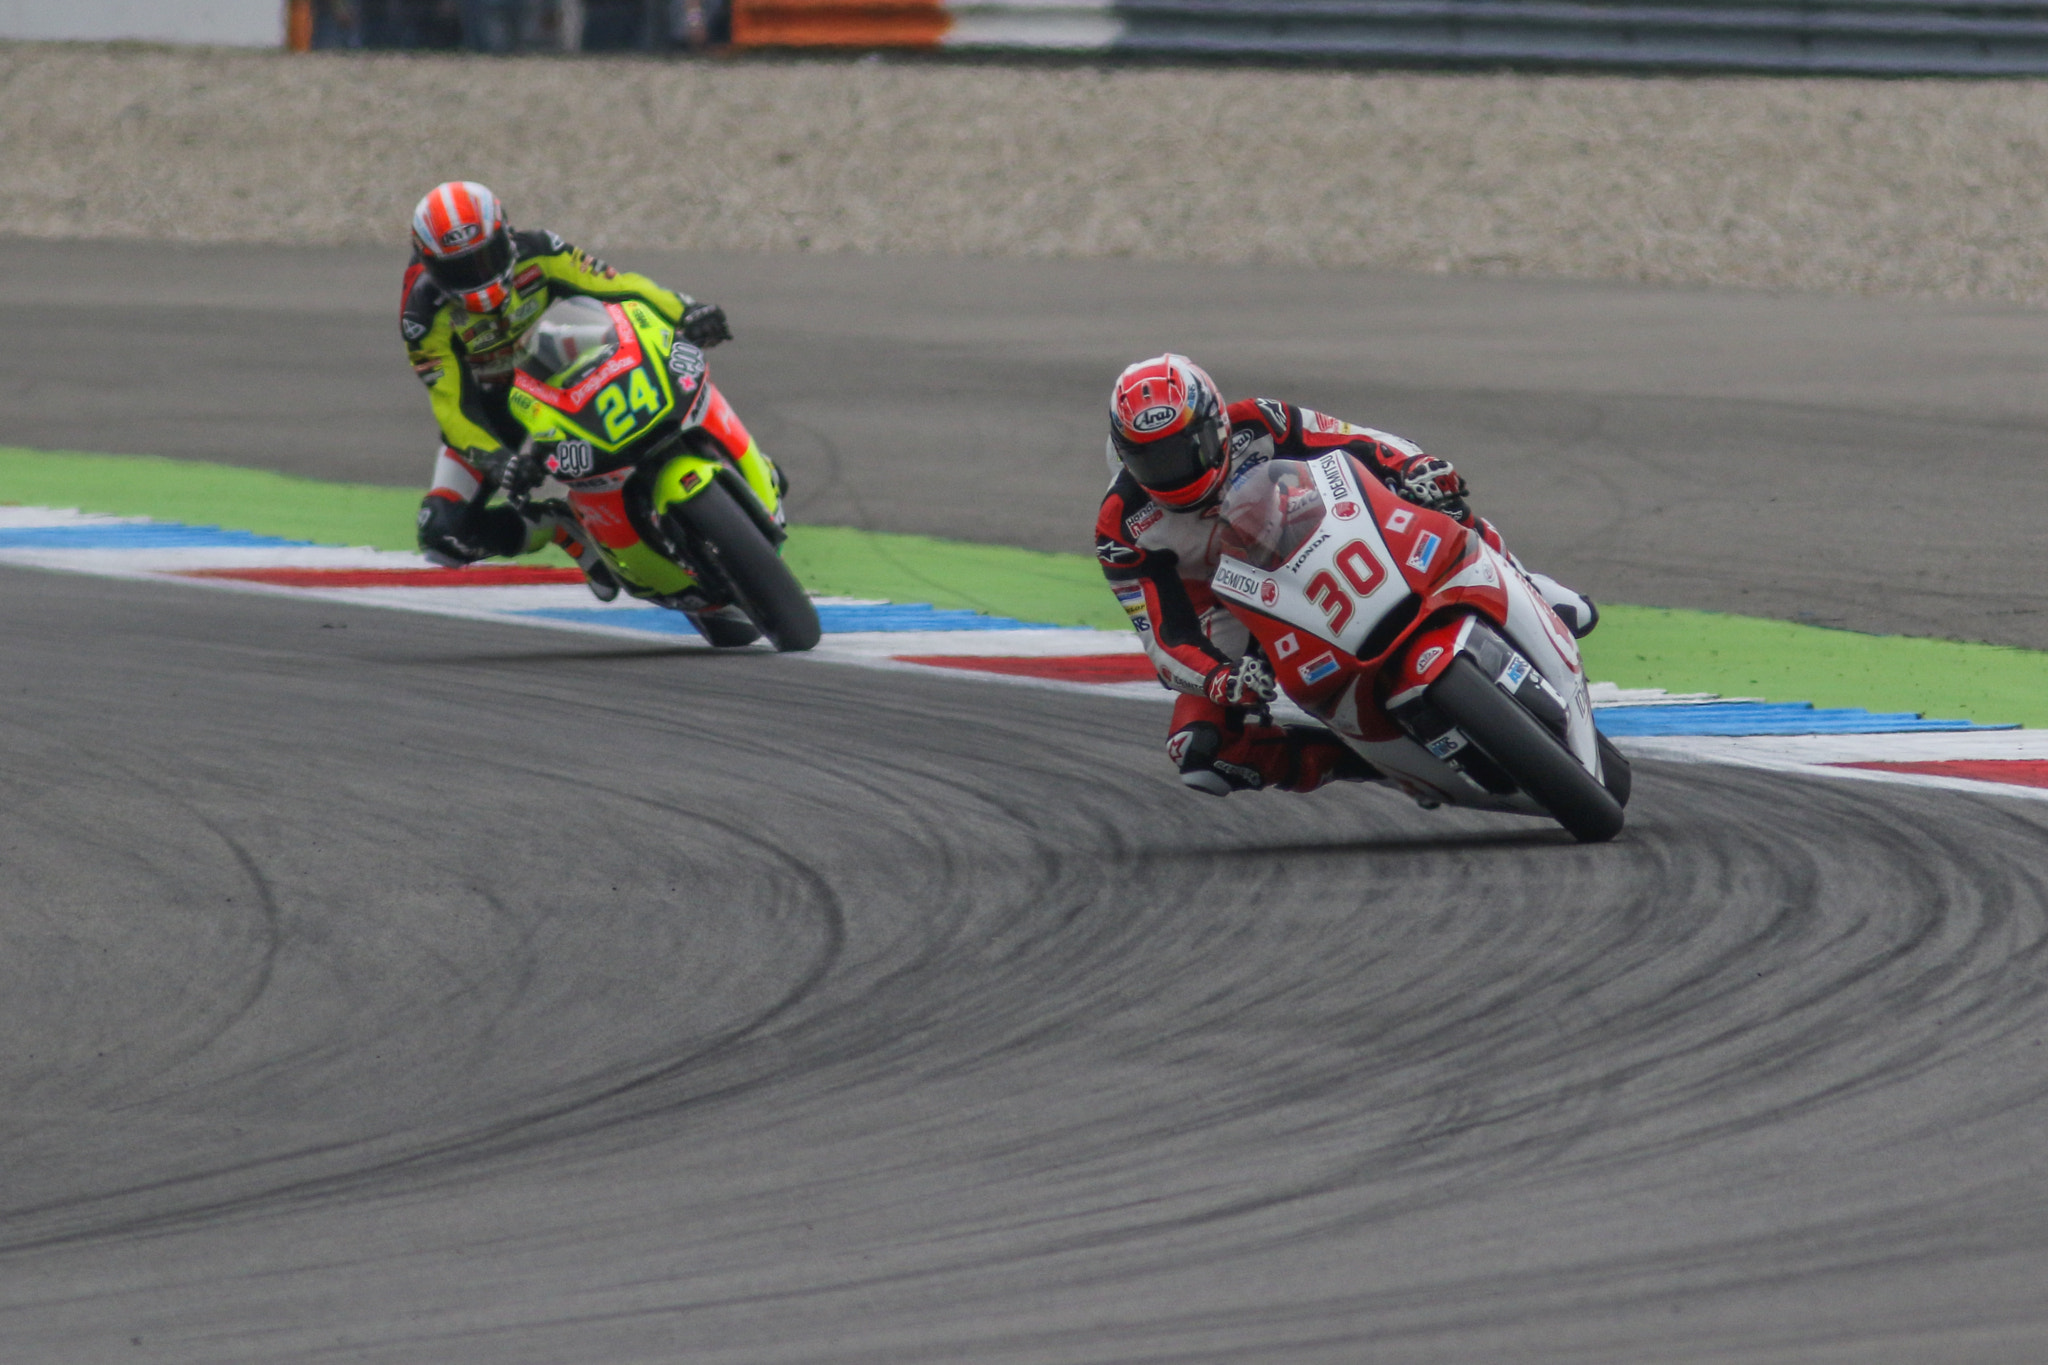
column 1171, row 461
column 473, row 269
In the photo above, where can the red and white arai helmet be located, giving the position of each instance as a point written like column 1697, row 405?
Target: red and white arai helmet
column 1168, row 426
column 461, row 234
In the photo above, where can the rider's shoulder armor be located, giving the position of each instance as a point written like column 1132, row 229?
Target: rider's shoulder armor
column 1276, row 418
column 420, row 304
column 532, row 242
column 1132, row 531
column 545, row 249
column 1127, row 510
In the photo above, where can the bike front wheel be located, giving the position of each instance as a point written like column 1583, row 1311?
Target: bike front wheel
column 1527, row 752
column 716, row 528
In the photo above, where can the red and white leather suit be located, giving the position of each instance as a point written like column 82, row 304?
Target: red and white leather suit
column 1158, row 562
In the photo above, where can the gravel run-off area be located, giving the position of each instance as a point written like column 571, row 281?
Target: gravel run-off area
column 1928, row 187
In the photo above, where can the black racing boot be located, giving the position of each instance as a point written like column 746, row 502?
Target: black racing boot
column 1194, row 750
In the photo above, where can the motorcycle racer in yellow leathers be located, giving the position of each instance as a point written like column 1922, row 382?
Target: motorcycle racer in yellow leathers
column 473, row 288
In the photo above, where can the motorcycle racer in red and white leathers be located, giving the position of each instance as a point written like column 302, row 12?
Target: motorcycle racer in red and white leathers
column 474, row 287
column 1174, row 446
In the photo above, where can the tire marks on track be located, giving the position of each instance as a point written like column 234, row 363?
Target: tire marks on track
column 639, row 1005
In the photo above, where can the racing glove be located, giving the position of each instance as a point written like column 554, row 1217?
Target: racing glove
column 519, row 473
column 704, row 325
column 1430, row 482
column 1248, row 683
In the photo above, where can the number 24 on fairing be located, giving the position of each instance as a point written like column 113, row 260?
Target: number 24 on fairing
column 617, row 406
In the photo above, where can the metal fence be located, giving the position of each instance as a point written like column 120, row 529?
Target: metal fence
column 1892, row 37
column 520, row 25
column 1867, row 36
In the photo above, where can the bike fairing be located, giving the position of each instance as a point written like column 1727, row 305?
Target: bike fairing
column 1159, row 563
column 1459, row 683
column 605, row 390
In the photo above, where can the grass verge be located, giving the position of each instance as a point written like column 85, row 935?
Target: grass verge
column 1685, row 651
column 1746, row 656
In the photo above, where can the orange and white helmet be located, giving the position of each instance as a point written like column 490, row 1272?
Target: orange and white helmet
column 1168, row 426
column 460, row 232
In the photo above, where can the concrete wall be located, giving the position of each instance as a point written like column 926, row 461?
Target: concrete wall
column 242, row 23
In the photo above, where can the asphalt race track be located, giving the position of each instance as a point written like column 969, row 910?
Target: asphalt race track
column 393, row 989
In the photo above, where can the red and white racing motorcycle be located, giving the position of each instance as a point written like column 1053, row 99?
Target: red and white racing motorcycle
column 1419, row 644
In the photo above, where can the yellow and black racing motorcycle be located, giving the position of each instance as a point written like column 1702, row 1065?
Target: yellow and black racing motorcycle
column 664, row 482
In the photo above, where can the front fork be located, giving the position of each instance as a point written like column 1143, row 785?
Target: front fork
column 1505, row 666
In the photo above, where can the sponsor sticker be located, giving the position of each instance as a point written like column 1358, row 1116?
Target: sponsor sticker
column 1345, row 511
column 1234, row 578
column 685, row 362
column 1155, row 418
column 1424, row 551
column 1447, row 743
column 459, row 234
column 1302, row 557
column 527, row 278
column 1269, row 592
column 1400, row 520
column 413, row 328
column 1427, row 657
column 1275, row 415
column 1144, row 519
column 1287, row 646
column 1511, row 676
column 572, row 459
column 1177, row 747
column 691, row 480
column 606, row 373
column 1319, row 668
column 1333, row 471
column 1246, row 464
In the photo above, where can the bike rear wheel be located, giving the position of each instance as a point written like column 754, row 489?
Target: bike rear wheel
column 715, row 527
column 1527, row 752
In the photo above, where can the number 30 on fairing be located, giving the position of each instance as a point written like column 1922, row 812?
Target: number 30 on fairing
column 1361, row 567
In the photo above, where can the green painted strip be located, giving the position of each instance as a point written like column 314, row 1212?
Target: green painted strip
column 211, row 495
column 1685, row 651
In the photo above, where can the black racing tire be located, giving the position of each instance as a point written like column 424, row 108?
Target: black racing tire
column 715, row 526
column 1614, row 771
column 1520, row 745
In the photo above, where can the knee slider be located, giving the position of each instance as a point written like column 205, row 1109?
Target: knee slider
column 456, row 533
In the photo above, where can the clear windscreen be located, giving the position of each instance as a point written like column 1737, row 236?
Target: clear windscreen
column 1269, row 512
column 572, row 338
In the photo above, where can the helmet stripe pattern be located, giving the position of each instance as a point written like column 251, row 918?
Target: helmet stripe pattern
column 456, row 217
